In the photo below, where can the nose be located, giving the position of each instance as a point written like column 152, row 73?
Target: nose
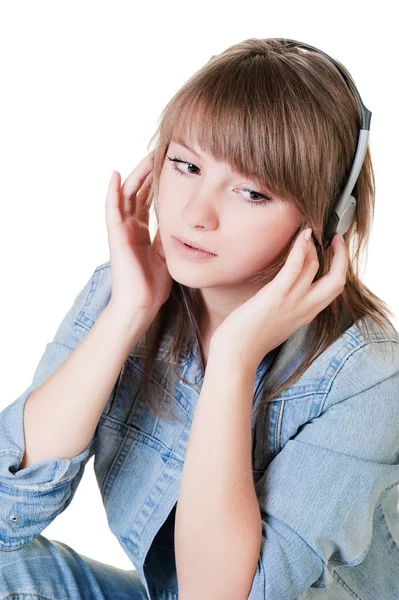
column 200, row 208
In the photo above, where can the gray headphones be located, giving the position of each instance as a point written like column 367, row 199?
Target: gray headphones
column 344, row 210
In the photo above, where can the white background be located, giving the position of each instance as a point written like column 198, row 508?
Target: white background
column 82, row 86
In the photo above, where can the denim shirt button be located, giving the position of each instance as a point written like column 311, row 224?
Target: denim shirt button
column 15, row 518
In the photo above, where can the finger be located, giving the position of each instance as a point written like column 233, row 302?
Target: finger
column 310, row 267
column 293, row 266
column 135, row 180
column 141, row 211
column 324, row 290
column 112, row 209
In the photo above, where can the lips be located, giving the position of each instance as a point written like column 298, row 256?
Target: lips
column 194, row 245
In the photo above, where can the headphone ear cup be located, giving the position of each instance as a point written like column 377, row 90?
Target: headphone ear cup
column 330, row 230
column 338, row 224
column 347, row 217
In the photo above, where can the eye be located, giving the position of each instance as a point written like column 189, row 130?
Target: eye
column 265, row 200
column 175, row 160
column 260, row 202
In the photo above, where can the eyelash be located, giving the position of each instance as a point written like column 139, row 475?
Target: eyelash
column 266, row 199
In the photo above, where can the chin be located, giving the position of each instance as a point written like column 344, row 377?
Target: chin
column 190, row 282
column 188, row 279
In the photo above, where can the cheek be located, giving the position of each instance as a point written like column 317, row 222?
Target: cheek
column 167, row 186
column 164, row 191
column 258, row 248
column 259, row 245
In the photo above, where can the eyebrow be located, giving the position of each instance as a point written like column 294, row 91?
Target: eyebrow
column 183, row 143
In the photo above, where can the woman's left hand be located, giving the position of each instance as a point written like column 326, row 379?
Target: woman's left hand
column 282, row 306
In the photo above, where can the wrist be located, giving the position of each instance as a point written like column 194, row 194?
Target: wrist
column 225, row 358
column 133, row 318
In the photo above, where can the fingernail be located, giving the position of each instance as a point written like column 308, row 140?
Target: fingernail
column 307, row 234
column 341, row 239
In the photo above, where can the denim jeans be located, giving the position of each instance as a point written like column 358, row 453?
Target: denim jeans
column 47, row 569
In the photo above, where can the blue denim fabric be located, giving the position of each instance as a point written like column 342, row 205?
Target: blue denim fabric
column 49, row 570
column 325, row 468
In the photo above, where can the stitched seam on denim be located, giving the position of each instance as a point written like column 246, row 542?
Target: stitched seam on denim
column 384, row 523
column 333, row 377
column 116, row 388
column 93, row 286
column 346, row 586
column 278, row 429
column 19, row 595
column 51, row 487
column 317, row 391
column 112, row 466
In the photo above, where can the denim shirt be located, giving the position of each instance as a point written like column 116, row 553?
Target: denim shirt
column 325, row 458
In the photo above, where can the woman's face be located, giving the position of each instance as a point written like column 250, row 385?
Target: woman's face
column 209, row 204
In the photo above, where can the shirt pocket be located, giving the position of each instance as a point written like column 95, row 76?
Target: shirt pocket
column 133, row 442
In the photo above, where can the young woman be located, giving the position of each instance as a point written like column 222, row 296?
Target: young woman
column 241, row 403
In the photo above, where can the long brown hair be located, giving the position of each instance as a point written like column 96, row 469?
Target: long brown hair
column 286, row 118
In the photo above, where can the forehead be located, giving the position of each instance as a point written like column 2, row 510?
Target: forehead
column 182, row 142
column 192, row 146
column 188, row 143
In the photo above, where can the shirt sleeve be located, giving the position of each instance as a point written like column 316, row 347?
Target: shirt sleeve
column 32, row 497
column 317, row 496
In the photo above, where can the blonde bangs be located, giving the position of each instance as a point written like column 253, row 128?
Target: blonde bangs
column 277, row 141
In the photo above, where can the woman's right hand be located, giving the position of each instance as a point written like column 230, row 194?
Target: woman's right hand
column 140, row 278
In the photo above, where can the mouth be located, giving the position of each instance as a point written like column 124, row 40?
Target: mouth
column 190, row 251
column 194, row 245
